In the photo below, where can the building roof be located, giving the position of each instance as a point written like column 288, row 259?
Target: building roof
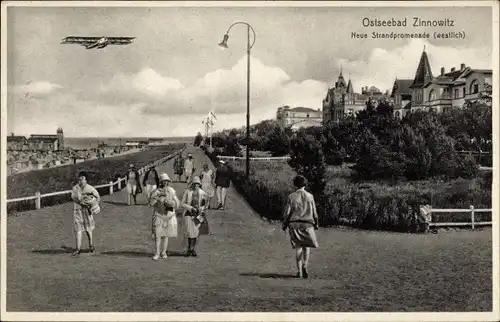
column 44, row 139
column 16, row 138
column 402, row 86
column 424, row 73
column 349, row 87
column 43, row 136
column 302, row 109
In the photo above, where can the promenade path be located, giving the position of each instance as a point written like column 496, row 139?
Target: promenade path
column 245, row 264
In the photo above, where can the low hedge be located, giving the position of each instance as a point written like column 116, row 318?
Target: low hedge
column 101, row 171
column 366, row 205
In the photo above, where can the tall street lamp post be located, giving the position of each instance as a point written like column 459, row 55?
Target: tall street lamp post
column 223, row 44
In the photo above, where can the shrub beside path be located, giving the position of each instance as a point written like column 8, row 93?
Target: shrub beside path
column 245, row 264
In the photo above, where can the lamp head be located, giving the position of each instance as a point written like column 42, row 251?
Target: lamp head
column 223, row 43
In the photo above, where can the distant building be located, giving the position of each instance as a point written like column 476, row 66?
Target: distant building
column 136, row 144
column 341, row 100
column 401, row 97
column 447, row 90
column 37, row 142
column 16, row 142
column 298, row 117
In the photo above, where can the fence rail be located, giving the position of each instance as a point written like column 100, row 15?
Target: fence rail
column 427, row 212
column 254, row 158
column 38, row 197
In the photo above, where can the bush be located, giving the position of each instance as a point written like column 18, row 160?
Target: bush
column 278, row 142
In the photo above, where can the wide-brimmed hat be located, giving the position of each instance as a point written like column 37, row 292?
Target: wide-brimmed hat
column 196, row 180
column 222, row 162
column 131, row 166
column 190, row 155
column 164, row 177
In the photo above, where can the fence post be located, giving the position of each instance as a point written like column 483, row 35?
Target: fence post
column 119, row 183
column 472, row 215
column 111, row 187
column 38, row 200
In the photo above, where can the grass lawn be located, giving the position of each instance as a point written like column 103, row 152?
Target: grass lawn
column 245, row 264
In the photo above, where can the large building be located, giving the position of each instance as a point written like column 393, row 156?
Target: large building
column 341, row 100
column 401, row 97
column 37, row 142
column 447, row 90
column 298, row 117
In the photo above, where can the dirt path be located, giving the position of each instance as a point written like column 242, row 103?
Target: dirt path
column 245, row 264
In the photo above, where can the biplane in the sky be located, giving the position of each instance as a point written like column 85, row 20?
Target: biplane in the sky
column 97, row 42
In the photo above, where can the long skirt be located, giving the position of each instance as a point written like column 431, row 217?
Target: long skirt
column 165, row 226
column 208, row 188
column 150, row 188
column 193, row 228
column 83, row 220
column 302, row 235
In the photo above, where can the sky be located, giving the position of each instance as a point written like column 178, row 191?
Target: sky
column 166, row 81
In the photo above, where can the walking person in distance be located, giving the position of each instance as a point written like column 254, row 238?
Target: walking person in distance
column 164, row 202
column 222, row 183
column 151, row 181
column 301, row 219
column 207, row 179
column 178, row 167
column 133, row 184
column 85, row 205
column 189, row 167
column 194, row 201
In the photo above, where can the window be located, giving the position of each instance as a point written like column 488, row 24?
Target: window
column 432, row 95
column 307, row 114
column 474, row 87
column 463, row 90
column 456, row 93
column 397, row 113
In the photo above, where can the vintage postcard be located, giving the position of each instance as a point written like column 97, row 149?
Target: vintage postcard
column 249, row 161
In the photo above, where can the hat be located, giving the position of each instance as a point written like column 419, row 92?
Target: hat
column 164, row 177
column 197, row 180
column 190, row 155
column 131, row 166
column 222, row 161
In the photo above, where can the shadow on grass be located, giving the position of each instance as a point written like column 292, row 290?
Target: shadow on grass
column 132, row 253
column 270, row 275
column 62, row 250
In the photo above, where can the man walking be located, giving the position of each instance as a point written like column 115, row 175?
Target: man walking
column 189, row 167
column 178, row 167
column 222, row 183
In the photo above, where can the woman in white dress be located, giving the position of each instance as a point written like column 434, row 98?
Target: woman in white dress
column 207, row 183
column 164, row 202
column 85, row 205
column 194, row 201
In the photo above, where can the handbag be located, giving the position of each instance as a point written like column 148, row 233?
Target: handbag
column 204, row 229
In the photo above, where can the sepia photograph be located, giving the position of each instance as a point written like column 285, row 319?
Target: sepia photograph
column 245, row 161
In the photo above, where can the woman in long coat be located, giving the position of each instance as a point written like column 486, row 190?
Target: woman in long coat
column 85, row 205
column 151, row 181
column 301, row 219
column 164, row 225
column 194, row 201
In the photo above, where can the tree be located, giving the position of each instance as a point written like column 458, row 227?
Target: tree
column 307, row 158
column 278, row 143
column 197, row 139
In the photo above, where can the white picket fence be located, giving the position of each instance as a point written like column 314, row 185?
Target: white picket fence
column 428, row 211
column 225, row 157
column 38, row 197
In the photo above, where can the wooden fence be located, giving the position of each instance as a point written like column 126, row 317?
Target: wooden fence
column 38, row 197
column 427, row 211
column 254, row 158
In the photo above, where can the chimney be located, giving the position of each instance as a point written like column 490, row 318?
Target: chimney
column 442, row 71
column 462, row 66
column 452, row 69
column 12, row 134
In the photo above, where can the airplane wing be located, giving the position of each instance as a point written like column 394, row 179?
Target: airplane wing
column 80, row 40
column 120, row 40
